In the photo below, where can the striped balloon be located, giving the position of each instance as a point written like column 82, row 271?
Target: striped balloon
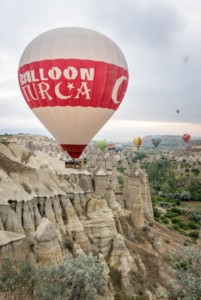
column 73, row 79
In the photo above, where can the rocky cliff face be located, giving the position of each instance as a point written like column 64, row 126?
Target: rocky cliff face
column 43, row 205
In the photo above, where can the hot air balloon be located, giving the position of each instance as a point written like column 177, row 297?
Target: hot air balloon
column 186, row 58
column 102, row 144
column 177, row 111
column 73, row 79
column 137, row 141
column 111, row 146
column 118, row 147
column 186, row 137
column 156, row 139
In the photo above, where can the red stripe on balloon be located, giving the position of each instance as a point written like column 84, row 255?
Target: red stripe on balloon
column 73, row 150
column 73, row 82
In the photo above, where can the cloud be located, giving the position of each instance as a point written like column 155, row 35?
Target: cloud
column 154, row 36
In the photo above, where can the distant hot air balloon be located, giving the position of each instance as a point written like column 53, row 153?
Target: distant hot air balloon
column 156, row 139
column 186, row 137
column 186, row 58
column 137, row 141
column 73, row 79
column 118, row 147
column 177, row 111
column 102, row 144
column 111, row 146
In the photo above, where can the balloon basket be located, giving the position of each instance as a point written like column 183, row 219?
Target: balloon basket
column 73, row 164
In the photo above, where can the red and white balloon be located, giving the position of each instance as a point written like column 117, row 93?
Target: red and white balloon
column 73, row 79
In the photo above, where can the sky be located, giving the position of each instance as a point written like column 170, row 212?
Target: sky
column 161, row 40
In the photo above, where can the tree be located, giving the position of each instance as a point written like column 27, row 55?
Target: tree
column 74, row 279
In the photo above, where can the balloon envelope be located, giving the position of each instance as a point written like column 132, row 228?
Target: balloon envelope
column 111, row 146
column 186, row 137
column 73, row 79
column 102, row 144
column 156, row 139
column 118, row 147
column 137, row 141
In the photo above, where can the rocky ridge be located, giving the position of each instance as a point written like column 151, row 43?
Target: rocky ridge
column 43, row 205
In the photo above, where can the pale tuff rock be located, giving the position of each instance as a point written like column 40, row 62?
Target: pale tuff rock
column 9, row 190
column 136, row 188
column 58, row 214
column 106, row 270
column 108, row 293
column 199, row 240
column 97, row 207
column 41, row 205
column 47, row 248
column 124, row 163
column 37, row 216
column 74, row 226
column 131, row 186
column 19, row 206
column 99, row 224
column 146, row 196
column 122, row 260
column 11, row 245
column 49, row 213
column 160, row 293
column 160, row 246
column 1, row 225
column 46, row 231
column 140, row 265
column 114, row 180
column 7, row 237
column 101, row 177
column 108, row 162
column 83, row 183
column 109, row 196
column 28, row 225
column 91, row 163
column 72, row 220
column 77, row 204
column 10, row 220
column 138, row 213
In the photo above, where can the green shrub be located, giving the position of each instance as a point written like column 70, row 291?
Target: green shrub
column 69, row 244
column 156, row 213
column 176, row 210
column 192, row 225
column 175, row 220
column 164, row 220
column 194, row 234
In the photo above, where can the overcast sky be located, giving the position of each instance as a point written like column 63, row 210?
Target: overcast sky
column 161, row 40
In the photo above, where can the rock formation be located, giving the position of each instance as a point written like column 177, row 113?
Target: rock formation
column 43, row 204
column 47, row 248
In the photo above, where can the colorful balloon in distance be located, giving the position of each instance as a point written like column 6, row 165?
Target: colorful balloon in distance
column 156, row 139
column 73, row 79
column 137, row 141
column 102, row 144
column 186, row 137
column 111, row 146
column 118, row 147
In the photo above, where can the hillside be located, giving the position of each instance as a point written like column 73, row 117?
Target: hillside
column 90, row 209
